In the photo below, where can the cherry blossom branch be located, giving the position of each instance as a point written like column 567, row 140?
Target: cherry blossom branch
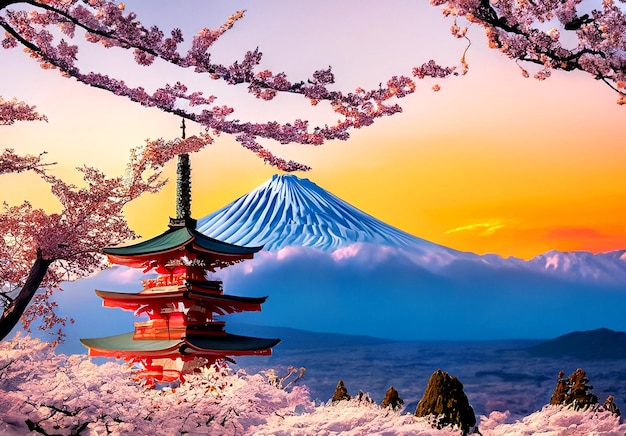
column 518, row 29
column 13, row 163
column 36, row 426
column 105, row 22
column 14, row 110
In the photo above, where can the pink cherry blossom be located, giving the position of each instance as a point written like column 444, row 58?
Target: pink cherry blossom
column 14, row 110
column 108, row 23
column 45, row 393
column 516, row 28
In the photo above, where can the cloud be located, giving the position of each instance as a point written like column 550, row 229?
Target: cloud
column 380, row 291
column 487, row 228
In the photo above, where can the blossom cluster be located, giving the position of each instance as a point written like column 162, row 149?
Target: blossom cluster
column 45, row 393
column 10, row 162
column 14, row 110
column 592, row 41
column 109, row 24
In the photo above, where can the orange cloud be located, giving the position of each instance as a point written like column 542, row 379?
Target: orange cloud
column 487, row 228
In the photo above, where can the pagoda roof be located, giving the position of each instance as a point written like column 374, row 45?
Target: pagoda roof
column 227, row 345
column 134, row 301
column 178, row 241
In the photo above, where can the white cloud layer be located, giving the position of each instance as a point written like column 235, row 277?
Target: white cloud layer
column 387, row 292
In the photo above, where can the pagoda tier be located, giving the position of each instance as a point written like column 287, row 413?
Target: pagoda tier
column 171, row 251
column 175, row 312
column 144, row 302
column 211, row 348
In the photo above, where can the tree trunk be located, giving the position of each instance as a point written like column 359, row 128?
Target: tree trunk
column 14, row 311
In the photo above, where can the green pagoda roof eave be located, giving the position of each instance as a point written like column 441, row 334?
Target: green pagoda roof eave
column 229, row 344
column 176, row 238
column 125, row 342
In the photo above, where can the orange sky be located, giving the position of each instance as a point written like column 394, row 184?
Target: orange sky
column 491, row 163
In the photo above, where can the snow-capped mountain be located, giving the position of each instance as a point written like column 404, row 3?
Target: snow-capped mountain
column 287, row 210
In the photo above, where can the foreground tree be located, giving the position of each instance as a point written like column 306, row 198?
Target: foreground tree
column 39, row 250
column 445, row 402
column 574, row 391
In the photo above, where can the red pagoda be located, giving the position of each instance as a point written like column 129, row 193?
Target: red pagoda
column 181, row 332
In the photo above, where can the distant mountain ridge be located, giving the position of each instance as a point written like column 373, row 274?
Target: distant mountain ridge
column 608, row 267
column 329, row 267
column 599, row 344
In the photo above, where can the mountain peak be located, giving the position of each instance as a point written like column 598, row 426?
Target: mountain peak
column 287, row 210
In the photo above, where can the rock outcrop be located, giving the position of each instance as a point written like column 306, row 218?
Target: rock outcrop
column 446, row 402
column 341, row 393
column 392, row 399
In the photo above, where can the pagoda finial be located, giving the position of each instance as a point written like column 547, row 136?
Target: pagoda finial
column 183, row 190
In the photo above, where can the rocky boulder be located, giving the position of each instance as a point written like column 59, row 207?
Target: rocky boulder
column 392, row 399
column 341, row 393
column 445, row 401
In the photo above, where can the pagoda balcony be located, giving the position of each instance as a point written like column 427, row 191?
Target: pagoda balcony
column 160, row 328
column 173, row 328
column 168, row 283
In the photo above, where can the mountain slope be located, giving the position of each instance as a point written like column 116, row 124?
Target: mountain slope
column 287, row 210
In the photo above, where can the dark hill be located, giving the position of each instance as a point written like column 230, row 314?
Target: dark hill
column 600, row 344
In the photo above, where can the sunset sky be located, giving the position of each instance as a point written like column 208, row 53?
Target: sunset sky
column 492, row 163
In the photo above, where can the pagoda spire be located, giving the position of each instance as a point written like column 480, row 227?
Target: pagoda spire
column 183, row 190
